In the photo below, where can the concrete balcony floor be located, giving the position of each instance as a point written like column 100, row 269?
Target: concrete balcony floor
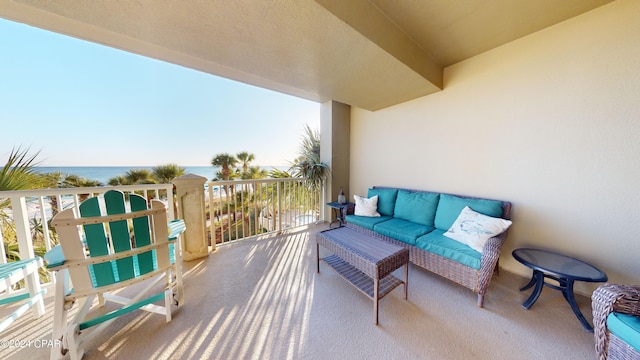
column 262, row 299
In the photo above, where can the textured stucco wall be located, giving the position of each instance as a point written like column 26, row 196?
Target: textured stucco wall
column 550, row 122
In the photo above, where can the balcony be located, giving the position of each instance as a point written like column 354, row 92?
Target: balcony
column 261, row 298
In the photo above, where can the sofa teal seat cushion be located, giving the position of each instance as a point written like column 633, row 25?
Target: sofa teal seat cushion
column 439, row 244
column 402, row 230
column 386, row 200
column 417, row 207
column 366, row 221
column 450, row 207
column 626, row 327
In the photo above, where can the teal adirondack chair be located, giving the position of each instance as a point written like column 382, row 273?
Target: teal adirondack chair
column 30, row 296
column 102, row 253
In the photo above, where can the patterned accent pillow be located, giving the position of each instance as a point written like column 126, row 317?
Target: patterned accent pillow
column 366, row 206
column 474, row 229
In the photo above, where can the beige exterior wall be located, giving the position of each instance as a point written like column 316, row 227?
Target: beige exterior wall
column 334, row 148
column 550, row 122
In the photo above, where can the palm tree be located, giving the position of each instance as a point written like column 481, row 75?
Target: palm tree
column 118, row 180
column 133, row 177
column 139, row 176
column 226, row 162
column 73, row 180
column 255, row 172
column 308, row 164
column 18, row 173
column 57, row 179
column 245, row 158
column 163, row 174
column 279, row 174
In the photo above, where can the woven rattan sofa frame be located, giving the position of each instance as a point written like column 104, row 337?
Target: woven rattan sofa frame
column 475, row 280
column 610, row 298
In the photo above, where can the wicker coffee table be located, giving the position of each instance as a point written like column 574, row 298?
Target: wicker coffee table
column 365, row 261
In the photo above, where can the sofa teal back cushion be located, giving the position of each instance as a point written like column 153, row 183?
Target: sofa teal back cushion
column 386, row 200
column 450, row 207
column 626, row 327
column 417, row 207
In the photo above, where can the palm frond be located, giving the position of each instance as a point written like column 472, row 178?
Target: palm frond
column 18, row 172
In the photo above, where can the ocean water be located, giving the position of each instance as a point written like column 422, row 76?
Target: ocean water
column 104, row 173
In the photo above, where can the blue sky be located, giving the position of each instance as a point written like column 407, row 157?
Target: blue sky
column 82, row 104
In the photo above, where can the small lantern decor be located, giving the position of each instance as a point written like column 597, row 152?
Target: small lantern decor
column 341, row 198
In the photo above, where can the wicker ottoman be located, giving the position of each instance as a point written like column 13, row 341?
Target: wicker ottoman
column 365, row 261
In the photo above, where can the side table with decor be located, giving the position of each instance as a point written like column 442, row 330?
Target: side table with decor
column 339, row 210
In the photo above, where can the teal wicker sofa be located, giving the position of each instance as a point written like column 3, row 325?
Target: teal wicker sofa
column 423, row 220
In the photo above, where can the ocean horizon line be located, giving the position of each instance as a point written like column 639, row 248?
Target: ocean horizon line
column 141, row 166
column 103, row 174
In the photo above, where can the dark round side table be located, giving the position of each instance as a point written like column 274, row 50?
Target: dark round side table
column 561, row 268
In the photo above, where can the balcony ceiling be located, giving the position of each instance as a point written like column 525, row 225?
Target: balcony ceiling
column 367, row 53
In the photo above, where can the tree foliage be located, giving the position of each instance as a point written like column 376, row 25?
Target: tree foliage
column 161, row 174
column 226, row 162
column 164, row 174
column 18, row 173
column 308, row 164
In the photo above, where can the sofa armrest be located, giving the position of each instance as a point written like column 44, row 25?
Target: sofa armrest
column 493, row 247
column 490, row 255
column 491, row 251
column 610, row 298
column 616, row 298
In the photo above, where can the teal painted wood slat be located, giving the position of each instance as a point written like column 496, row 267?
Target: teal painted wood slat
column 97, row 242
column 12, row 267
column 121, row 311
column 13, row 299
column 142, row 235
column 119, row 230
column 176, row 228
column 21, row 310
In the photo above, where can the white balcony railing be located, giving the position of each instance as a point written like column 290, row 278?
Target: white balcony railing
column 234, row 209
column 245, row 208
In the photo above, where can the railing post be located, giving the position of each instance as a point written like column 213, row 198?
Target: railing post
column 322, row 195
column 23, row 233
column 279, row 210
column 3, row 254
column 191, row 205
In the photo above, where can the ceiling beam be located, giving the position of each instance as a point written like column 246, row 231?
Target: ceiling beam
column 369, row 21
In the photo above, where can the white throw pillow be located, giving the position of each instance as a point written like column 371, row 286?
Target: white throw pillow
column 366, row 206
column 474, row 229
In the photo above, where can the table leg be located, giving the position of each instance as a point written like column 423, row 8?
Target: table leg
column 318, row 257
column 339, row 217
column 406, row 279
column 376, row 290
column 538, row 279
column 567, row 291
column 530, row 284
